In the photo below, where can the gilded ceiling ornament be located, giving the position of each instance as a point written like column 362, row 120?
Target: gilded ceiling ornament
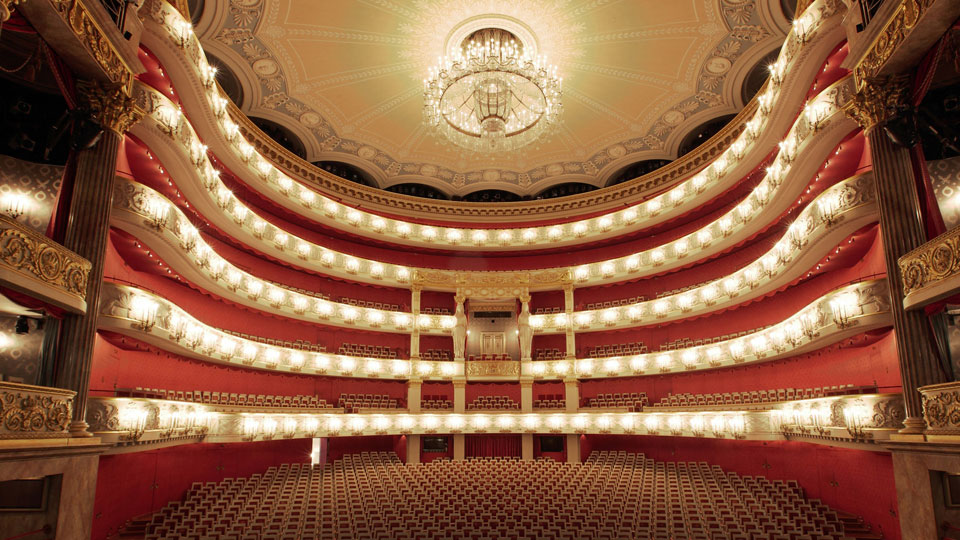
column 110, row 105
column 878, row 100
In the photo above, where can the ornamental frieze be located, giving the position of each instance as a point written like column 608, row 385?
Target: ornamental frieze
column 480, row 368
column 932, row 263
column 941, row 408
column 29, row 412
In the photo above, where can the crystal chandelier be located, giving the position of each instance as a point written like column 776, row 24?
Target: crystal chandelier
column 491, row 96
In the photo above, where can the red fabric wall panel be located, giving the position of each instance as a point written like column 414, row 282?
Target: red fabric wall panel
column 444, row 343
column 546, row 300
column 475, row 390
column 856, row 481
column 492, row 446
column 552, row 387
column 338, row 446
column 132, row 484
column 873, row 362
column 437, row 299
column 119, row 368
column 443, row 389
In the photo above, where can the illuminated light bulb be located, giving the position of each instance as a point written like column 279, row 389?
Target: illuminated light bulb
column 375, row 317
column 664, row 361
column 324, row 308
column 536, row 321
column 538, row 368
column 373, row 366
column 736, row 350
column 531, row 422
column 209, row 339
column 254, row 288
column 504, row 422
column 296, row 359
column 403, row 274
column 285, row 183
column 448, row 369
column 680, row 248
column 708, row 293
column 304, row 249
column 224, row 196
column 403, row 230
column 265, row 168
column 579, row 422
column 653, row 206
column 759, row 344
column 607, row 269
column 660, row 307
column 354, row 217
column 611, row 365
column 561, row 368
column 506, row 236
column 259, row 226
column 714, row 354
column 381, row 423
column 751, row 275
column 610, row 316
column 479, row 237
column 348, row 313
column 399, row 367
column 376, row 270
column 555, row 233
column 638, row 363
column 331, row 208
column 480, row 422
column 352, row 265
column 651, row 423
column 581, row 273
column 731, row 284
column 529, row 235
column 656, row 256
column 357, row 424
column 249, row 351
column 276, row 296
column 697, row 424
column 675, row 423
column 560, row 320
column 769, row 263
column 334, row 424
column 585, row 367
column 745, row 209
column 699, row 181
column 555, row 422
column 428, row 233
column 455, row 422
column 272, row 356
column 233, row 278
column 454, row 236
column 424, row 321
column 685, row 301
column 635, row 312
column 725, row 224
column 604, row 423
column 704, row 237
column 347, row 364
column 630, row 215
column 583, row 318
column 321, row 362
column 281, row 238
column 448, row 322
column 311, row 425
column 378, row 224
column 677, row 194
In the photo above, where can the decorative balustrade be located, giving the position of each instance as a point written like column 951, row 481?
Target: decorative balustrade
column 34, row 412
column 941, row 408
column 38, row 266
column 932, row 271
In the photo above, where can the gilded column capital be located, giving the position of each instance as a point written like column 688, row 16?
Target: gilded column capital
column 6, row 8
column 879, row 100
column 110, row 105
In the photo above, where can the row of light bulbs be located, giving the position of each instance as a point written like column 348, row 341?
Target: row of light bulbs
column 817, row 113
column 835, row 311
column 684, row 193
column 167, row 218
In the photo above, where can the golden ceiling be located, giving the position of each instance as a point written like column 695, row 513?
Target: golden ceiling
column 345, row 76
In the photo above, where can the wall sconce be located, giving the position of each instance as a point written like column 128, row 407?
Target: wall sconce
column 133, row 421
column 856, row 416
column 143, row 311
column 249, row 429
column 15, row 204
column 845, row 306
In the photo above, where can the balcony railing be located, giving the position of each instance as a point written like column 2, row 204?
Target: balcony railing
column 34, row 412
column 931, row 271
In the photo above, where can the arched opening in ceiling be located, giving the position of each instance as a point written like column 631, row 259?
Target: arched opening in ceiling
column 704, row 131
column 491, row 196
column 635, row 170
column 563, row 190
column 195, row 7
column 227, row 79
column 283, row 136
column 347, row 172
column 757, row 76
column 419, row 190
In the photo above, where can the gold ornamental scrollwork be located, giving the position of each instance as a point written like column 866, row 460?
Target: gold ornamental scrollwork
column 894, row 33
column 879, row 100
column 480, row 368
column 931, row 263
column 941, row 408
column 110, row 105
column 85, row 27
column 31, row 412
column 29, row 253
column 6, row 9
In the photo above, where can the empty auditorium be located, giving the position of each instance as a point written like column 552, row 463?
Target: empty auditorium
column 479, row 270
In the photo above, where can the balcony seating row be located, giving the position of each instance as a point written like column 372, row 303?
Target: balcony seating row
column 353, row 402
column 635, row 401
column 493, row 402
column 550, row 401
column 611, row 496
column 367, row 351
column 436, row 402
column 298, row 344
column 372, row 305
column 761, row 396
column 434, row 311
column 547, row 310
column 489, row 357
column 684, row 343
column 436, row 355
column 617, row 349
column 612, row 303
column 542, row 355
column 226, row 398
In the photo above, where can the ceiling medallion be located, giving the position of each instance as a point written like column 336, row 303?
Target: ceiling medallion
column 492, row 95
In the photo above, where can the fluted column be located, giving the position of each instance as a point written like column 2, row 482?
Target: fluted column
column 415, row 313
column 901, row 228
column 87, row 230
column 568, row 309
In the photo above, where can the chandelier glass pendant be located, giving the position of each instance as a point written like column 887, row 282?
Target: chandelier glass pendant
column 491, row 96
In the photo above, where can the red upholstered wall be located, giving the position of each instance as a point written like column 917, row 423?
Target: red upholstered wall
column 475, row 390
column 129, row 485
column 114, row 367
column 856, row 481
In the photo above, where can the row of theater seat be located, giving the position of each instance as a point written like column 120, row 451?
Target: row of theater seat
column 489, row 357
column 618, row 349
column 226, row 398
column 434, row 311
column 542, row 355
column 352, row 402
column 613, row 303
column 547, row 310
column 634, row 401
column 760, row 396
column 611, row 496
column 436, row 402
column 550, row 401
column 684, row 343
column 298, row 344
column 436, row 355
column 367, row 351
column 372, row 305
column 493, row 402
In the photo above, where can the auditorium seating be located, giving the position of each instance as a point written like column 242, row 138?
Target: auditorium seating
column 547, row 311
column 489, row 357
column 367, row 351
column 226, row 398
column 760, row 396
column 493, row 402
column 298, row 344
column 543, row 355
column 436, row 403
column 684, row 343
column 617, row 349
column 634, row 401
column 434, row 311
column 436, row 355
column 611, row 496
column 612, row 303
column 353, row 402
column 550, row 401
column 372, row 305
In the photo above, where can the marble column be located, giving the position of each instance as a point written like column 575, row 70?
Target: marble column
column 414, row 391
column 459, row 396
column 526, row 446
column 571, row 389
column 413, row 449
column 568, row 309
column 415, row 313
column 459, row 447
column 901, row 228
column 526, row 396
column 573, row 448
column 88, row 228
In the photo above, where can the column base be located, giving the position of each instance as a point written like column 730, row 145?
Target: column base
column 913, row 425
column 78, row 428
